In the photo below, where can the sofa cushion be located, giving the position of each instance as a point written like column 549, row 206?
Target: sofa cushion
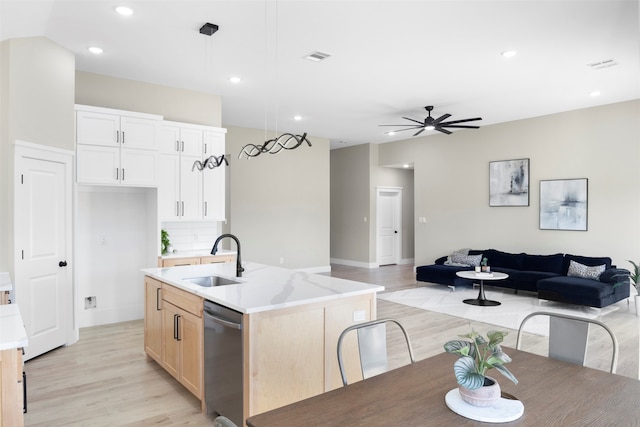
column 548, row 263
column 579, row 287
column 441, row 274
column 580, row 270
column 584, row 260
column 497, row 258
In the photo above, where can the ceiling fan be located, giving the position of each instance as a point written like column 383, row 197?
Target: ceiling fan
column 438, row 124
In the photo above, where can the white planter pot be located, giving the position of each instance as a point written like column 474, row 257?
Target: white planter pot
column 637, row 299
column 483, row 396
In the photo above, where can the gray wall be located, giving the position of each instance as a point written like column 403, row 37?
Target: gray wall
column 36, row 106
column 279, row 204
column 452, row 184
column 355, row 176
column 173, row 104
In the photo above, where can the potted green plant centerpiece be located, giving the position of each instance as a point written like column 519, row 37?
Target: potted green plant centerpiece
column 477, row 356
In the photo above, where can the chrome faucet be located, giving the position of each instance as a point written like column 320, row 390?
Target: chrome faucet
column 239, row 268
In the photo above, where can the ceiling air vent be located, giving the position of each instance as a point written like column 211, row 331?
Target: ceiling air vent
column 317, row 56
column 602, row 64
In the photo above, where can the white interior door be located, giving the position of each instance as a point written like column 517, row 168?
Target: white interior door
column 43, row 287
column 389, row 202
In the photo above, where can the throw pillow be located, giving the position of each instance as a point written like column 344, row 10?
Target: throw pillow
column 464, row 251
column 460, row 259
column 581, row 270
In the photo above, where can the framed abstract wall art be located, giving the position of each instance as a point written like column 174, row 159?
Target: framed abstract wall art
column 509, row 183
column 563, row 204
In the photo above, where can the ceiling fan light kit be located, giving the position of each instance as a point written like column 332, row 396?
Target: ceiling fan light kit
column 439, row 124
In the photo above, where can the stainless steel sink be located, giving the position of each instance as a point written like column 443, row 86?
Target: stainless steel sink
column 210, row 281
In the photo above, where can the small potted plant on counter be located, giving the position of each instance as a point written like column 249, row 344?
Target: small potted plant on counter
column 164, row 240
column 477, row 356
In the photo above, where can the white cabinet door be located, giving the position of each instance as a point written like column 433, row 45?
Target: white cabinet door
column 191, row 142
column 168, row 139
column 213, row 185
column 190, row 189
column 138, row 167
column 138, row 133
column 169, row 187
column 97, row 128
column 98, row 165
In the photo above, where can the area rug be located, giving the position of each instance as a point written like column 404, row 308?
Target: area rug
column 514, row 307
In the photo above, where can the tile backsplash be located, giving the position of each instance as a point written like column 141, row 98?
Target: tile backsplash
column 192, row 236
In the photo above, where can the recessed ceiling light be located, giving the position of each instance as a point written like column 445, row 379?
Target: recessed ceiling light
column 390, row 133
column 234, row 79
column 297, row 118
column 594, row 93
column 95, row 50
column 405, row 166
column 509, row 53
column 124, row 11
column 317, row 56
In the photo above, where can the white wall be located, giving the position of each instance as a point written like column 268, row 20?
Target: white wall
column 452, row 184
column 115, row 240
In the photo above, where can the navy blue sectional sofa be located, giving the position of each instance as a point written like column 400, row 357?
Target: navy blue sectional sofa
column 544, row 274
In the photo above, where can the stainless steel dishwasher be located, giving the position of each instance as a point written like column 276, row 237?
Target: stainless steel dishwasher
column 223, row 361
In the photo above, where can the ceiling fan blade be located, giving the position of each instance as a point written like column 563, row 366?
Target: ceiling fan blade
column 411, row 128
column 419, row 132
column 402, row 125
column 453, row 122
column 439, row 129
column 441, row 118
column 417, row 121
column 461, row 126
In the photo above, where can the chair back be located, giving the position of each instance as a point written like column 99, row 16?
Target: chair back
column 372, row 347
column 569, row 336
column 223, row 422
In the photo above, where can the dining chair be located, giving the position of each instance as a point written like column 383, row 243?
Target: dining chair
column 372, row 347
column 221, row 421
column 568, row 337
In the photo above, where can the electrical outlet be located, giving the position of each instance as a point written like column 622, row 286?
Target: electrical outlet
column 89, row 302
column 359, row 316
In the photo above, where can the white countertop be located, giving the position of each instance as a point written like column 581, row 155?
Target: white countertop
column 262, row 287
column 196, row 253
column 12, row 332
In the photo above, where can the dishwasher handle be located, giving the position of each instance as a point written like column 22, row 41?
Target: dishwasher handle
column 224, row 322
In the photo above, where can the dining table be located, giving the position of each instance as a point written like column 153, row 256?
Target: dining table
column 553, row 393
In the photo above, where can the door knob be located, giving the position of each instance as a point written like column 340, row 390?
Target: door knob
column 395, row 231
column 62, row 264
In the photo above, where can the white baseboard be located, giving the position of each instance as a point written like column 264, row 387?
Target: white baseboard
column 361, row 264
column 323, row 269
column 96, row 317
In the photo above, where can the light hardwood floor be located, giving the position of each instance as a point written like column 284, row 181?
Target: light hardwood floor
column 105, row 380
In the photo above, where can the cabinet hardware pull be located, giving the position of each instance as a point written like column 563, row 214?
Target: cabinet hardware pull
column 205, row 148
column 117, row 136
column 175, row 326
column 177, row 208
column 158, row 308
column 205, row 208
column 177, row 145
column 123, row 174
column 178, row 337
column 123, row 137
column 117, row 174
column 183, row 146
column 182, row 208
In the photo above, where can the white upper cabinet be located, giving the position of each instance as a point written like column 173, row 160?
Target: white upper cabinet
column 116, row 147
column 214, row 181
column 182, row 188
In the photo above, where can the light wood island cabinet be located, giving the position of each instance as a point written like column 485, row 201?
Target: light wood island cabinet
column 289, row 351
column 174, row 332
column 13, row 338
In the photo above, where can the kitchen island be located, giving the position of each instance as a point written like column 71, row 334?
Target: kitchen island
column 291, row 321
column 13, row 338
